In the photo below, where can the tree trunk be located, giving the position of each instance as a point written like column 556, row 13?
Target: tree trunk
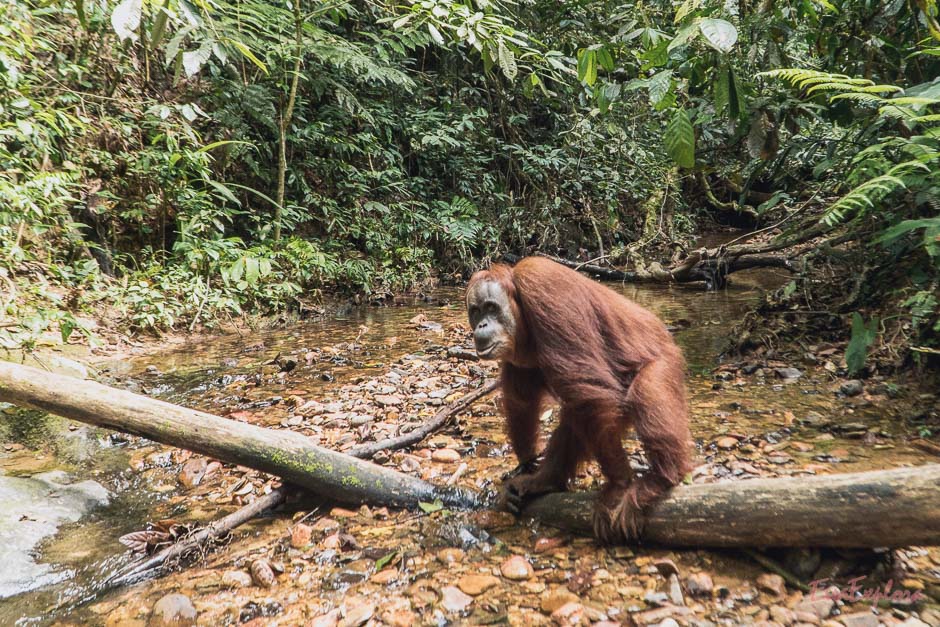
column 872, row 509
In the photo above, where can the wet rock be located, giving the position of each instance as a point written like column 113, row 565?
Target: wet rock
column 659, row 615
column 261, row 573
column 330, row 619
column 516, row 568
column 726, row 442
column 236, row 579
column 544, row 545
column 821, row 608
column 387, row 400
column 788, row 374
column 173, row 610
column 475, row 585
column 556, row 598
column 325, row 527
column 806, row 618
column 445, row 456
column 384, row 577
column 453, row 600
column 782, row 615
column 450, row 555
column 569, row 615
column 814, row 419
column 859, row 619
column 399, row 617
column 301, row 535
column 853, row 387
column 360, row 614
column 656, row 598
column 772, row 583
column 699, row 584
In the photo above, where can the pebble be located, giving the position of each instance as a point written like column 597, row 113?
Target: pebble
column 782, row 615
column 301, row 535
column 358, row 615
column 325, row 526
column 854, row 387
column 699, row 584
column 236, row 579
column 450, row 555
column 445, row 456
column 814, row 419
column 453, row 600
column 772, row 583
column 788, row 373
column 173, row 610
column 384, row 577
column 193, row 472
column 568, row 615
column 818, row 607
column 388, row 399
column 516, row 568
column 475, row 585
column 544, row 545
column 262, row 574
column 554, row 599
column 859, row 619
column 726, row 442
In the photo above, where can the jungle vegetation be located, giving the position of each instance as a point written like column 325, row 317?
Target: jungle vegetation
column 183, row 161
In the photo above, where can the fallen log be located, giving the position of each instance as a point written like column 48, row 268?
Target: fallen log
column 881, row 508
column 286, row 454
column 898, row 507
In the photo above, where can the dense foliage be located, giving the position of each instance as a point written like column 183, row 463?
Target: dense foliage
column 182, row 160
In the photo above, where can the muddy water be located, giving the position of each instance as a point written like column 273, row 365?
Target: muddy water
column 256, row 374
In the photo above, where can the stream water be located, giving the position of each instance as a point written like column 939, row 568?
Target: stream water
column 75, row 550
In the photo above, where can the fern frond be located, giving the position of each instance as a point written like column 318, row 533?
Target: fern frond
column 866, row 195
column 857, row 97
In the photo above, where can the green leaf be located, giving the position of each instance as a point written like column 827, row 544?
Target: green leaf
column 684, row 36
column 587, row 66
column 680, row 139
column 862, row 337
column 430, row 508
column 686, row 8
column 721, row 90
column 159, row 25
column 736, row 103
column 435, row 34
column 193, row 60
column 383, row 561
column 605, row 59
column 125, row 19
column 507, row 61
column 248, row 54
column 659, row 85
column 66, row 326
column 720, row 34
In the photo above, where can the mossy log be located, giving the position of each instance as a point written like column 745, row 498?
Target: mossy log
column 287, row 454
column 899, row 507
